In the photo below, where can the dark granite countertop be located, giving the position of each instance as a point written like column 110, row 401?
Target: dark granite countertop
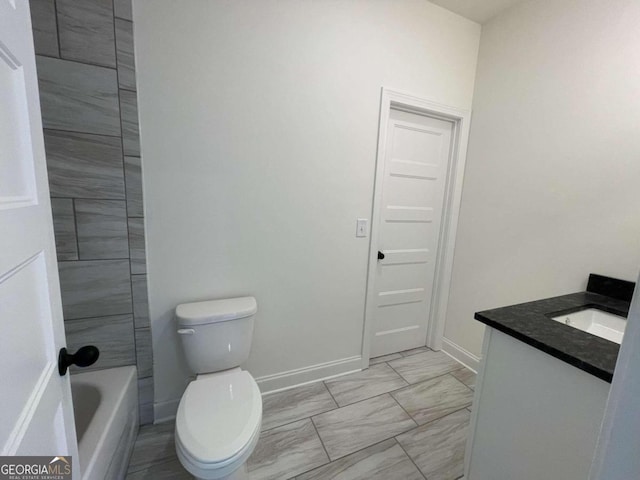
column 531, row 323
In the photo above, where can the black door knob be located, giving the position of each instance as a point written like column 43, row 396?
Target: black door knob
column 380, row 255
column 84, row 357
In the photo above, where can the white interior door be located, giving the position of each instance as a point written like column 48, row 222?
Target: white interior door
column 36, row 415
column 415, row 170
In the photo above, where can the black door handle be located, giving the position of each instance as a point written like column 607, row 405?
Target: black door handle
column 84, row 357
column 380, row 255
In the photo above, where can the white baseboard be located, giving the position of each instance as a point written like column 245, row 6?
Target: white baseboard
column 314, row 373
column 165, row 411
column 459, row 354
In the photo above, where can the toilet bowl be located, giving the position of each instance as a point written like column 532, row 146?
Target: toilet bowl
column 220, row 413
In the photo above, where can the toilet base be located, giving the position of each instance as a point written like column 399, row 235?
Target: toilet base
column 239, row 474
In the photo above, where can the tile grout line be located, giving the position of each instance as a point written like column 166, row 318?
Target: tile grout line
column 376, row 396
column 419, row 426
column 401, row 353
column 426, row 379
column 55, row 14
column 366, row 447
column 63, row 130
column 332, row 397
column 398, row 373
column 126, row 198
column 416, row 425
column 117, row 259
column 409, row 456
column 75, row 224
column 324, row 447
column 394, row 438
column 460, row 381
column 115, row 40
column 430, row 421
column 308, row 417
column 322, row 442
column 73, row 60
column 390, row 393
column 358, row 451
column 415, row 353
column 438, row 418
column 98, row 317
column 100, row 199
column 407, row 413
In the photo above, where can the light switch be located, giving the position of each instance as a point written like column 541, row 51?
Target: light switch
column 363, row 226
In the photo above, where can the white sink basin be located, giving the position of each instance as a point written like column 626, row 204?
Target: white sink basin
column 596, row 322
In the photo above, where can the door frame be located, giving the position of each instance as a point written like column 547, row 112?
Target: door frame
column 391, row 98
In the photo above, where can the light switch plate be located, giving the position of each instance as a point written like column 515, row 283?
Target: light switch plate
column 362, row 227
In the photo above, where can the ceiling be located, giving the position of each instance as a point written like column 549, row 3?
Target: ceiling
column 477, row 10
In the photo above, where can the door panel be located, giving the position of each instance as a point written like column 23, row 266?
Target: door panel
column 406, row 275
column 405, row 236
column 415, row 170
column 36, row 415
column 406, row 256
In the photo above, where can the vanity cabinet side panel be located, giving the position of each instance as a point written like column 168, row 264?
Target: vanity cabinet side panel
column 536, row 417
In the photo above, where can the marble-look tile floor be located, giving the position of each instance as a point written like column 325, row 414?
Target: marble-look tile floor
column 404, row 418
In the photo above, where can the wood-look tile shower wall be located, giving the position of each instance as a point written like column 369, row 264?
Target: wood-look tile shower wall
column 88, row 97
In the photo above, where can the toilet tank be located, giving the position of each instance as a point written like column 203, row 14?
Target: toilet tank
column 216, row 334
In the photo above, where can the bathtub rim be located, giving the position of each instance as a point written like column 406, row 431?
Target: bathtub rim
column 119, row 395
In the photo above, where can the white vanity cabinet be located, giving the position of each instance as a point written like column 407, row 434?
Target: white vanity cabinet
column 534, row 416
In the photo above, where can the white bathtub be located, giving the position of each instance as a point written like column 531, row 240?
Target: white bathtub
column 105, row 404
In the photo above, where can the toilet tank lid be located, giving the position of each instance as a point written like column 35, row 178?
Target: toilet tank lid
column 212, row 311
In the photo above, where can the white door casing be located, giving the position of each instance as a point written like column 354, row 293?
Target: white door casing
column 36, row 414
column 441, row 264
column 415, row 170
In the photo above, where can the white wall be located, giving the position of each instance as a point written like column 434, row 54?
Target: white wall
column 259, row 129
column 551, row 188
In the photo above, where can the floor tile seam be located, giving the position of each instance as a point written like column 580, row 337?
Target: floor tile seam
column 409, row 384
column 356, row 451
column 391, row 366
column 377, row 395
column 355, row 403
column 390, row 392
column 324, row 382
column 458, row 409
column 321, row 443
column 428, row 423
column 433, row 420
column 416, row 425
column 308, row 417
column 472, row 389
column 173, row 457
column 326, row 452
column 410, row 458
column 338, row 407
column 415, row 353
column 405, row 411
column 401, row 355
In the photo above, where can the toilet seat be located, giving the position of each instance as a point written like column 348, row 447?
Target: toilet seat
column 218, row 423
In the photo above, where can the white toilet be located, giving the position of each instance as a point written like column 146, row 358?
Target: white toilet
column 220, row 413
